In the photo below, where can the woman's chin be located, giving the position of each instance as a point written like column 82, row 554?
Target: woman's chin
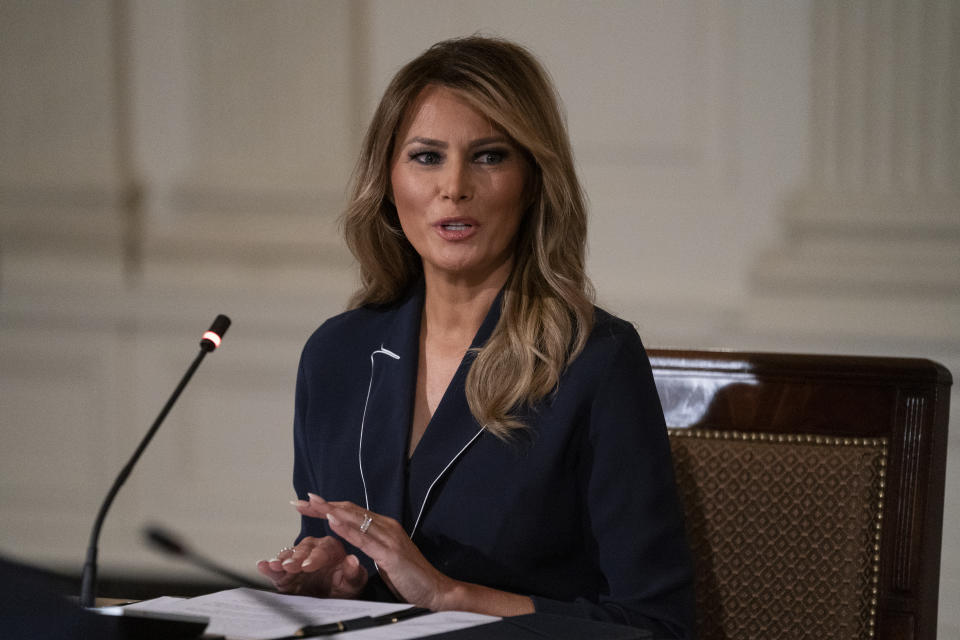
column 468, row 271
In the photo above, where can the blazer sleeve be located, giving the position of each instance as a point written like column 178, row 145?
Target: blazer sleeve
column 633, row 509
column 304, row 467
column 303, row 479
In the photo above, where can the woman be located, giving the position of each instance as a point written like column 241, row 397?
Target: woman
column 487, row 439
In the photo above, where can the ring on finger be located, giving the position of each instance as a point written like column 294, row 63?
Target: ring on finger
column 285, row 549
column 367, row 521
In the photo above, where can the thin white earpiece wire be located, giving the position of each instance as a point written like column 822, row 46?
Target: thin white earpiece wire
column 363, row 419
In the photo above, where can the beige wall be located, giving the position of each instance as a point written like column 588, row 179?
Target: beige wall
column 762, row 174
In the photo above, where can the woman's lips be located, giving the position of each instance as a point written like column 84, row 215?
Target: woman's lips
column 454, row 229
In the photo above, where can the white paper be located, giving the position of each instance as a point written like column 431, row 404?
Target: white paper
column 249, row 614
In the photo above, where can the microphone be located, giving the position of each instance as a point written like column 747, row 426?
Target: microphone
column 168, row 543
column 88, row 581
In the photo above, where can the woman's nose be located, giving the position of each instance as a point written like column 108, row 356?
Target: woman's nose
column 456, row 183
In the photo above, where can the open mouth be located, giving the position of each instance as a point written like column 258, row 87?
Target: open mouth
column 456, row 226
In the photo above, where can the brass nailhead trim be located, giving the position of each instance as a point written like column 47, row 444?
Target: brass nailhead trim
column 790, row 438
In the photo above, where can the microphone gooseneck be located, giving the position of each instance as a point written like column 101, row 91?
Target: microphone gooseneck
column 88, row 582
column 168, row 543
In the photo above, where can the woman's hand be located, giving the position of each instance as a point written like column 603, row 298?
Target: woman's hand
column 316, row 567
column 404, row 569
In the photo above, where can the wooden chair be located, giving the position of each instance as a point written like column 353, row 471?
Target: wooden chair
column 813, row 489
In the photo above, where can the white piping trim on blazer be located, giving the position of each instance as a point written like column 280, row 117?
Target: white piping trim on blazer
column 440, row 475
column 363, row 419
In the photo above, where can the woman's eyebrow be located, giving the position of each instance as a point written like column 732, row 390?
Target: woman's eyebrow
column 491, row 140
column 440, row 144
column 430, row 142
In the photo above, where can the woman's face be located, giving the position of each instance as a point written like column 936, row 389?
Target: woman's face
column 458, row 184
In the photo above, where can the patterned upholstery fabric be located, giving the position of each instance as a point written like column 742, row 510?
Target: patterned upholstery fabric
column 785, row 531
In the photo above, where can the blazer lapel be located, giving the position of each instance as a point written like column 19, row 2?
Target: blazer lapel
column 389, row 409
column 451, row 430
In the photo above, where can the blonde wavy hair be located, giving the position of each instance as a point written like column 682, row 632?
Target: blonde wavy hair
column 547, row 307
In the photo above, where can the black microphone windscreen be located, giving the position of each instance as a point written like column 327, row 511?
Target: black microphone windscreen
column 164, row 541
column 220, row 325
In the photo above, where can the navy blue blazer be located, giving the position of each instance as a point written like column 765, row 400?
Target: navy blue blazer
column 581, row 512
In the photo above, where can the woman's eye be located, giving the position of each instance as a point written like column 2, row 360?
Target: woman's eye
column 491, row 157
column 426, row 157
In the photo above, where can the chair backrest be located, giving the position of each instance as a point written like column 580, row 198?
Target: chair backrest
column 813, row 489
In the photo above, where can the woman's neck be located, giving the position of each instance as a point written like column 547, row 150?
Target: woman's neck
column 453, row 311
column 454, row 308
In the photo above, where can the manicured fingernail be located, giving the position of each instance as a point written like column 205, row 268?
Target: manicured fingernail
column 314, row 496
column 307, row 562
column 332, row 520
column 300, row 503
column 288, row 561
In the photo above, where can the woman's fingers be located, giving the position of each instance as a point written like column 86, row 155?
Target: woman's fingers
column 316, row 566
column 317, row 507
column 310, row 555
column 316, row 554
column 306, row 509
column 321, row 553
column 293, row 563
column 276, row 562
column 354, row 573
column 347, row 525
column 381, row 538
column 384, row 540
column 264, row 568
column 282, row 581
column 402, row 566
column 373, row 534
column 349, row 579
column 381, row 532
